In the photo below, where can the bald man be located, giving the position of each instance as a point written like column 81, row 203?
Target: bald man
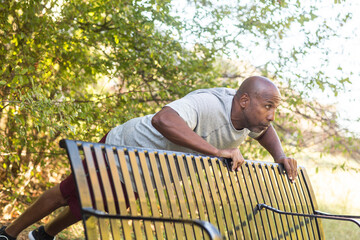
column 209, row 121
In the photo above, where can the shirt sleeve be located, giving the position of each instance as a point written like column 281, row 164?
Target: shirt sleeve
column 186, row 108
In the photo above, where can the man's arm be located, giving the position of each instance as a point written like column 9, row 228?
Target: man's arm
column 174, row 128
column 271, row 142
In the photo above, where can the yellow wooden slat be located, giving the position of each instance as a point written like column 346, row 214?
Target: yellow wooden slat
column 141, row 193
column 299, row 209
column 207, row 195
column 265, row 198
column 130, row 192
column 230, row 195
column 180, row 196
column 272, row 202
column 273, row 171
column 305, row 221
column 243, row 224
column 161, row 194
column 119, row 191
column 109, row 197
column 285, row 200
column 292, row 204
column 228, row 224
column 76, row 155
column 188, row 192
column 91, row 228
column 170, row 192
column 259, row 198
column 312, row 204
column 80, row 175
column 303, row 193
column 246, row 169
column 247, row 201
column 99, row 203
column 151, row 194
column 200, row 203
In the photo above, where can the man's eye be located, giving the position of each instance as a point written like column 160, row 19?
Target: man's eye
column 268, row 106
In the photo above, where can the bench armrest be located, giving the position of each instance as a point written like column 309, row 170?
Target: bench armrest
column 316, row 215
column 336, row 215
column 210, row 229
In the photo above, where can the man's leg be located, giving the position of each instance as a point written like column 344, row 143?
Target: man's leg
column 49, row 201
column 60, row 222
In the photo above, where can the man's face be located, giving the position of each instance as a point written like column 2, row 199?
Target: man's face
column 261, row 111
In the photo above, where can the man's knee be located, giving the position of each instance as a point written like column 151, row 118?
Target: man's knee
column 54, row 194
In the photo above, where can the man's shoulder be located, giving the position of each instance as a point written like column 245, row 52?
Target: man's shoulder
column 219, row 91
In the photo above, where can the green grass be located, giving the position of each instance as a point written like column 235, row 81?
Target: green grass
column 337, row 191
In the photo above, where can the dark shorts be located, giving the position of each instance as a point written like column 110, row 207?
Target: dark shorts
column 69, row 192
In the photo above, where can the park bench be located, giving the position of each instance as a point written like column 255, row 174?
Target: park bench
column 174, row 195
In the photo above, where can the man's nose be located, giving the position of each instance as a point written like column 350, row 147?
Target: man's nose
column 271, row 116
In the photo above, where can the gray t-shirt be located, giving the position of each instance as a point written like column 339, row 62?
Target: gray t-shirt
column 206, row 111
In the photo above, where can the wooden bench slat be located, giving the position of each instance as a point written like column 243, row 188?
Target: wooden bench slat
column 103, row 174
column 161, row 193
column 96, row 189
column 230, row 196
column 130, row 191
column 274, row 218
column 292, row 205
column 246, row 202
column 264, row 192
column 216, row 193
column 257, row 221
column 243, row 223
column 170, row 193
column 312, row 221
column 200, row 204
column 224, row 215
column 151, row 194
column 256, row 179
column 206, row 194
column 272, row 171
column 286, row 203
column 186, row 182
column 143, row 210
column 299, row 208
column 303, row 208
column 118, row 191
column 188, row 232
column 312, row 201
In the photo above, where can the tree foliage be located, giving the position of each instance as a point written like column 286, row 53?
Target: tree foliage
column 75, row 69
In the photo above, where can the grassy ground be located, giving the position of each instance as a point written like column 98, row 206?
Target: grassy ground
column 337, row 191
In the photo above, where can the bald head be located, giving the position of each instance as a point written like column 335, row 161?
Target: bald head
column 258, row 86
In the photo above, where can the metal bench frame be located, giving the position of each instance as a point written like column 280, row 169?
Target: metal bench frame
column 189, row 196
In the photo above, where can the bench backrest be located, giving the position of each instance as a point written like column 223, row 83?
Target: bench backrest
column 179, row 185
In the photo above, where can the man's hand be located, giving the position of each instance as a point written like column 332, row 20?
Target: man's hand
column 235, row 155
column 290, row 166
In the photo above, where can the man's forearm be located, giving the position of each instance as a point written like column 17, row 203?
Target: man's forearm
column 271, row 142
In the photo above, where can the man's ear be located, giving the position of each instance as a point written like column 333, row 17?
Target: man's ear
column 244, row 100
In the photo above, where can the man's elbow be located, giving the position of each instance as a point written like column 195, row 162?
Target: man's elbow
column 156, row 120
column 160, row 119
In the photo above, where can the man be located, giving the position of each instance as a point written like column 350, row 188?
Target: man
column 208, row 121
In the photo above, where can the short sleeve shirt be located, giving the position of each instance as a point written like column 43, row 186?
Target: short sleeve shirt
column 206, row 111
